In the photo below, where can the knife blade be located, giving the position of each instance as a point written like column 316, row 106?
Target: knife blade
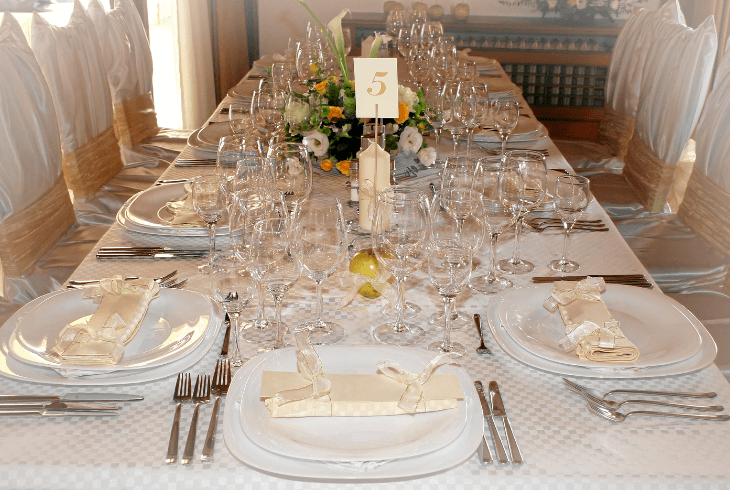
column 59, row 406
column 60, row 413
column 501, row 454
column 226, row 339
column 154, row 255
column 499, row 411
column 71, row 397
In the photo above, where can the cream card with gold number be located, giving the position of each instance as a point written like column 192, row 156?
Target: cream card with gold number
column 376, row 84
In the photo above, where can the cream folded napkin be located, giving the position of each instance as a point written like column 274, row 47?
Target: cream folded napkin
column 182, row 210
column 312, row 393
column 591, row 330
column 100, row 341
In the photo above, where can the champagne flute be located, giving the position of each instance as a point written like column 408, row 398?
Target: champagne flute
column 320, row 246
column 400, row 238
column 571, row 200
column 209, row 201
column 531, row 165
column 493, row 180
column 454, row 113
column 506, row 115
column 291, row 171
column 274, row 266
column 433, row 98
column 232, row 287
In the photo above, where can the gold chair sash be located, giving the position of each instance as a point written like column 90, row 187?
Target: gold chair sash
column 615, row 131
column 706, row 211
column 93, row 165
column 27, row 236
column 135, row 120
column 647, row 174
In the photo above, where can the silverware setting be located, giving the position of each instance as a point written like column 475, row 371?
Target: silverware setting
column 195, row 164
column 221, row 382
column 226, row 338
column 196, row 160
column 486, row 456
column 591, row 398
column 482, row 349
column 498, row 151
column 541, row 224
column 171, row 181
column 161, row 279
column 498, row 410
column 638, row 280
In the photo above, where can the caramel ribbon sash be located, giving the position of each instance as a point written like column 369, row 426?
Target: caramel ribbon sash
column 135, row 120
column 89, row 167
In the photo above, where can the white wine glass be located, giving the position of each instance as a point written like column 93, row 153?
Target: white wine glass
column 404, row 41
column 240, row 118
column 320, row 245
column 433, row 98
column 232, row 286
column 572, row 197
column 506, row 116
column 400, row 235
column 476, row 103
column 291, row 171
column 454, row 113
column 458, row 172
column 274, row 266
column 227, row 157
column 309, row 62
column 418, row 64
column 531, row 165
column 209, row 201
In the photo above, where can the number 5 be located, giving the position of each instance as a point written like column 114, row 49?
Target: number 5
column 382, row 85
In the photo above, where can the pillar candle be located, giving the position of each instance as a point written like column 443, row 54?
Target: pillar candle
column 373, row 176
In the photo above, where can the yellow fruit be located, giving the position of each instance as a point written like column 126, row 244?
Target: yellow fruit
column 419, row 6
column 435, row 12
column 392, row 5
column 364, row 262
column 460, row 11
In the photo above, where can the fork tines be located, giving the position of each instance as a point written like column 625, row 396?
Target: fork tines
column 201, row 394
column 221, row 377
column 182, row 388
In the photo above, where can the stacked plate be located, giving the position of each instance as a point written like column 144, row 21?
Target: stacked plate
column 528, row 130
column 349, row 448
column 147, row 212
column 179, row 328
column 207, row 138
column 669, row 338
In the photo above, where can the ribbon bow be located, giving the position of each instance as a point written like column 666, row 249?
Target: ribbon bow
column 354, row 281
column 310, row 367
column 413, row 395
column 589, row 289
column 367, row 193
column 607, row 335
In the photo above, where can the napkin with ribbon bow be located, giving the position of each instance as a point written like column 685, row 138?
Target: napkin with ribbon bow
column 182, row 210
column 313, row 393
column 590, row 329
column 100, row 341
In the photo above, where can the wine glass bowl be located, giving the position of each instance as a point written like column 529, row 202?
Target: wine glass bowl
column 506, row 116
column 209, row 201
column 572, row 197
column 291, row 171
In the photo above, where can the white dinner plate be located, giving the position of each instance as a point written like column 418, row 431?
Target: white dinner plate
column 212, row 134
column 174, row 324
column 268, row 462
column 662, row 333
column 13, row 369
column 195, row 142
column 346, row 439
column 527, row 129
column 144, row 213
column 703, row 358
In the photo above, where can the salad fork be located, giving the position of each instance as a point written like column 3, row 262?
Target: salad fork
column 221, row 382
column 577, row 387
column 482, row 349
column 182, row 394
column 201, row 394
column 615, row 416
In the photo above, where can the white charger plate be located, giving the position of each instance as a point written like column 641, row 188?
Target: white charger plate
column 436, row 461
column 13, row 369
column 168, row 331
column 662, row 333
column 344, row 439
column 141, row 213
column 703, row 358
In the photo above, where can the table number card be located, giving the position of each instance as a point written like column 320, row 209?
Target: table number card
column 376, row 84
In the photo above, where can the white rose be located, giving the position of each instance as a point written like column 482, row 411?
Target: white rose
column 316, row 142
column 408, row 96
column 410, row 140
column 293, row 166
column 427, row 156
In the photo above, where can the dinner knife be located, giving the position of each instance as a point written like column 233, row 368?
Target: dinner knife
column 151, row 255
column 151, row 250
column 71, row 397
column 226, row 339
column 59, row 406
column 499, row 411
column 60, row 413
column 501, row 454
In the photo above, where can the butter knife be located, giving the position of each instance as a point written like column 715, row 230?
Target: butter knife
column 70, row 397
column 499, row 411
column 501, row 454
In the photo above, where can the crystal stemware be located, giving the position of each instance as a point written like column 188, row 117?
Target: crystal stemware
column 320, row 245
column 531, row 165
column 274, row 265
column 571, row 200
column 458, row 172
column 309, row 62
column 227, row 157
column 506, row 115
column 476, row 104
column 240, row 118
column 404, row 41
column 400, row 238
column 291, row 172
column 418, row 64
column 454, row 113
column 433, row 98
column 232, row 286
column 209, row 201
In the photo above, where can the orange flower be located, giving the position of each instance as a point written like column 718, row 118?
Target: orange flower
column 321, row 87
column 335, row 112
column 343, row 167
column 326, row 165
column 402, row 113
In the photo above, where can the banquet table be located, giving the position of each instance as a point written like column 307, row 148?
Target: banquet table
column 563, row 444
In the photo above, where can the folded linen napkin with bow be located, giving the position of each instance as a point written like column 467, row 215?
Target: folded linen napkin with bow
column 590, row 329
column 394, row 391
column 100, row 341
column 182, row 210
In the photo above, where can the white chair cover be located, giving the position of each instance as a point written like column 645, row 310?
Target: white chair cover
column 30, row 166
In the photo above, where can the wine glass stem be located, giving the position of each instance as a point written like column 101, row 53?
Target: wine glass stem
column 504, row 142
column 319, row 320
column 279, row 342
column 493, row 237
column 566, row 243
column 211, row 243
column 448, row 314
column 260, row 308
column 518, row 237
column 455, row 137
column 400, row 306
column 236, row 359
column 437, row 132
column 469, row 135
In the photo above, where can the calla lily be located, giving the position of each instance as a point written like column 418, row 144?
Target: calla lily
column 335, row 26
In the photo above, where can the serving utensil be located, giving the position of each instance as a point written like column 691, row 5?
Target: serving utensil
column 615, row 416
column 482, row 349
column 579, row 387
column 221, row 382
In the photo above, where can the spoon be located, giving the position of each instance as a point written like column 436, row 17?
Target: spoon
column 592, row 398
column 620, row 417
column 482, row 349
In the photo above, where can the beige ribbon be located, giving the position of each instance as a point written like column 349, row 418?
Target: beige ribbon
column 589, row 289
column 310, row 367
column 413, row 395
column 89, row 167
column 26, row 236
column 135, row 120
column 607, row 335
column 647, row 174
column 367, row 193
column 354, row 281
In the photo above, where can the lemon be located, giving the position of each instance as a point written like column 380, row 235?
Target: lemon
column 364, row 262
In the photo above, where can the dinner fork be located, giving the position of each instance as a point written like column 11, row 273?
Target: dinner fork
column 175, row 285
column 221, row 382
column 201, row 394
column 161, row 279
column 578, row 387
column 182, row 394
column 615, row 416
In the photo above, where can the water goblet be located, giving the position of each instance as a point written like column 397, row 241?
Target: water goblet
column 523, row 200
column 209, row 201
column 291, row 171
column 240, row 118
column 320, row 245
column 458, row 172
column 274, row 266
column 466, row 71
column 571, row 200
column 400, row 238
column 232, row 286
column 506, row 115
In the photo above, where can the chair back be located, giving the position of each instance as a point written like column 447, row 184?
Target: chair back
column 35, row 208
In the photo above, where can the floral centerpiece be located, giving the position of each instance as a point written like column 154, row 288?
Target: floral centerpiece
column 323, row 117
